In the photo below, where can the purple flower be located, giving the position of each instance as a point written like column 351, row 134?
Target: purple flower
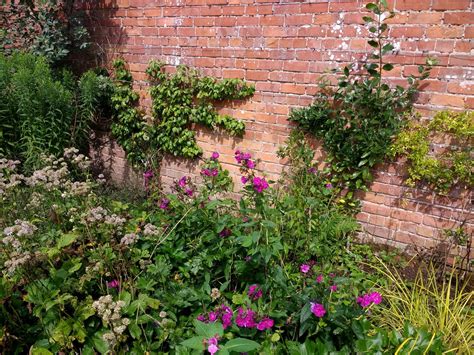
column 215, row 156
column 254, row 292
column 265, row 323
column 226, row 232
column 164, row 203
column 201, row 318
column 333, row 288
column 312, row 170
column 304, row 268
column 227, row 315
column 183, row 181
column 320, row 278
column 113, row 284
column 206, row 172
column 318, row 309
column 259, row 184
column 245, row 318
column 189, row 192
column 328, row 186
column 250, row 164
column 366, row 300
column 212, row 346
column 244, row 179
column 212, row 316
column 214, row 172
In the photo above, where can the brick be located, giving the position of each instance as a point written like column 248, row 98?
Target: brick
column 451, row 4
column 469, row 32
column 413, row 4
column 447, row 100
column 409, row 32
column 445, row 32
column 458, row 18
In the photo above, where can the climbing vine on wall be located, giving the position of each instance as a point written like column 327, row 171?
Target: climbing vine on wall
column 186, row 97
column 179, row 100
column 453, row 166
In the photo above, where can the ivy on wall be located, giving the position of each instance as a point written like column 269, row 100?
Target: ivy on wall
column 179, row 100
column 452, row 167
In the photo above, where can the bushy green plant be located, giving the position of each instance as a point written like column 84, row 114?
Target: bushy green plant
column 357, row 120
column 440, row 171
column 41, row 111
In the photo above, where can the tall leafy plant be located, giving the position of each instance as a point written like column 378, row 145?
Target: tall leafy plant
column 357, row 119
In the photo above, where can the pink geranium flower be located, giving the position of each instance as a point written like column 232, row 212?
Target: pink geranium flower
column 304, row 268
column 320, row 278
column 215, row 156
column 259, row 184
column 265, row 323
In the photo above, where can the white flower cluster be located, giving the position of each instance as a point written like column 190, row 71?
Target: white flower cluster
column 20, row 228
column 80, row 160
column 49, row 177
column 129, row 239
column 8, row 178
column 16, row 260
column 109, row 311
column 151, row 230
column 100, row 214
column 36, row 200
column 78, row 188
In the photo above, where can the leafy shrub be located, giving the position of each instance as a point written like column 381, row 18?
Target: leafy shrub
column 440, row 171
column 357, row 120
column 51, row 29
column 443, row 308
column 41, row 111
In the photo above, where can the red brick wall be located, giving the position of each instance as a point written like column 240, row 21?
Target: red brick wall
column 284, row 46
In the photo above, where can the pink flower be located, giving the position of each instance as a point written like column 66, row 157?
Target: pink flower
column 366, row 300
column 113, row 284
column 245, row 318
column 205, row 172
column 164, row 203
column 189, row 192
column 212, row 345
column 183, row 181
column 333, row 288
column 259, row 184
column 320, row 278
column 318, row 309
column 265, row 323
column 328, row 186
column 212, row 316
column 215, row 156
column 250, row 164
column 226, row 232
column 244, row 179
column 227, row 315
column 214, row 172
column 254, row 292
column 201, row 318
column 304, row 268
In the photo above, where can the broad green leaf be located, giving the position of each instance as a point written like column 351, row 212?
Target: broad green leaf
column 40, row 351
column 66, row 239
column 194, row 343
column 241, row 345
column 208, row 330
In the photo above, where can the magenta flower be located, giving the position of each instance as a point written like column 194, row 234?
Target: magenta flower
column 226, row 232
column 304, row 268
column 320, row 278
column 212, row 345
column 245, row 318
column 201, row 318
column 366, row 300
column 333, row 288
column 189, row 192
column 215, row 156
column 250, row 164
column 255, row 292
column 328, row 186
column 164, row 203
column 206, row 172
column 183, row 181
column 312, row 170
column 244, row 159
column 214, row 172
column 113, row 284
column 318, row 309
column 265, row 323
column 259, row 184
column 212, row 316
column 226, row 316
column 244, row 179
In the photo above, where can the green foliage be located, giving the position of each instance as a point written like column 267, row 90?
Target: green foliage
column 47, row 28
column 179, row 100
column 357, row 120
column 41, row 113
column 442, row 171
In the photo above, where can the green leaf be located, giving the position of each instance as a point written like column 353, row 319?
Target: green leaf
column 66, row 239
column 40, row 351
column 305, row 313
column 372, row 7
column 387, row 67
column 208, row 330
column 135, row 330
column 194, row 343
column 373, row 43
column 241, row 345
column 367, row 19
